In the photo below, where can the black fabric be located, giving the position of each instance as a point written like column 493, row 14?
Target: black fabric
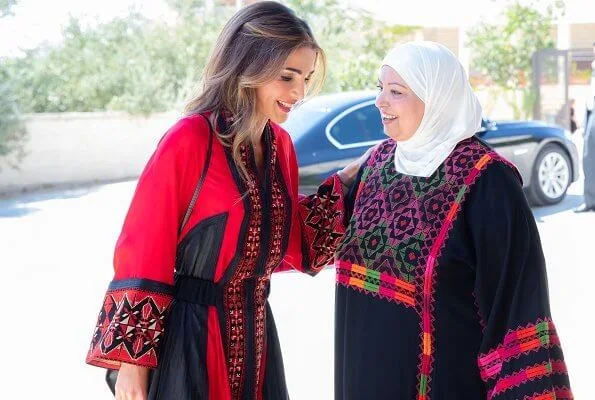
column 197, row 254
column 490, row 280
column 249, row 354
column 140, row 284
column 376, row 348
column 182, row 374
column 198, row 291
column 274, row 380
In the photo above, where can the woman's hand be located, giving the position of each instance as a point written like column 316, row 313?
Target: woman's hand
column 348, row 174
column 132, row 382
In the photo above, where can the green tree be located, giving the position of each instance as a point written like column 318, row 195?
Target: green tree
column 354, row 41
column 12, row 128
column 129, row 64
column 6, row 7
column 503, row 51
column 144, row 66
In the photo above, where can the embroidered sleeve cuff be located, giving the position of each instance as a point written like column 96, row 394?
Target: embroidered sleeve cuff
column 529, row 354
column 131, row 324
column 323, row 215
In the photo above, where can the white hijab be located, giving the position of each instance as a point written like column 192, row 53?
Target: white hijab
column 452, row 111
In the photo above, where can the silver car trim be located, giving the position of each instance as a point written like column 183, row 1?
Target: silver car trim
column 335, row 120
column 508, row 139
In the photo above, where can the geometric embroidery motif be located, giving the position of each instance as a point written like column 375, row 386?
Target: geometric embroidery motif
column 536, row 371
column 130, row 326
column 399, row 225
column 323, row 224
column 523, row 340
column 138, row 327
column 378, row 283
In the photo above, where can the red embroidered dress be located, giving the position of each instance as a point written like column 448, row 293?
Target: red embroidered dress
column 207, row 329
column 441, row 286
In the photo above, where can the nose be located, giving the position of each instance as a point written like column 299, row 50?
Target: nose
column 299, row 90
column 380, row 100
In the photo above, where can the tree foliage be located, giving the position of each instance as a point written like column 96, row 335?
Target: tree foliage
column 503, row 49
column 144, row 66
column 354, row 41
column 12, row 129
column 6, row 7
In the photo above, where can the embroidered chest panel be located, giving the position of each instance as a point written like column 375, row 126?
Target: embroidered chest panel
column 268, row 222
column 398, row 218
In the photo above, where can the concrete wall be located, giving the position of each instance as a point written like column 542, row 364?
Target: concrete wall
column 73, row 148
column 582, row 35
column 448, row 36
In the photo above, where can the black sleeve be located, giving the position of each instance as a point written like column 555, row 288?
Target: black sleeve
column 520, row 354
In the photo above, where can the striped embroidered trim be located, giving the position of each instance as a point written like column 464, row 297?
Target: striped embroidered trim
column 428, row 288
column 557, row 393
column 380, row 283
column 528, row 374
column 523, row 340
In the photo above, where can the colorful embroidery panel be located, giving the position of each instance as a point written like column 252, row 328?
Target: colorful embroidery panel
column 520, row 343
column 131, row 324
column 382, row 284
column 399, row 228
column 523, row 340
column 536, row 371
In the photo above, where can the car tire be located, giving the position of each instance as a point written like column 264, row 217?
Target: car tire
column 551, row 176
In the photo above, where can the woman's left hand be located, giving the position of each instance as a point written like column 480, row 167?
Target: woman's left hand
column 347, row 175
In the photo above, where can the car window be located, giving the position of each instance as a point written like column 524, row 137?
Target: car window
column 305, row 117
column 359, row 126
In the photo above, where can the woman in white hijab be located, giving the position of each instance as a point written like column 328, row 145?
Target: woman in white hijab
column 442, row 290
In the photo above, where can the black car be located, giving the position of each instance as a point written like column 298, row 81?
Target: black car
column 331, row 130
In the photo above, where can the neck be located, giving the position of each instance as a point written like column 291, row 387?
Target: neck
column 257, row 137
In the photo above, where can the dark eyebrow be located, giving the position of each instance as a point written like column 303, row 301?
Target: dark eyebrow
column 298, row 71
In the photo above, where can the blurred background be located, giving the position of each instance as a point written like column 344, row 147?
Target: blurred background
column 87, row 89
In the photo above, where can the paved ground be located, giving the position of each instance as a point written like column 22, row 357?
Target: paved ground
column 56, row 250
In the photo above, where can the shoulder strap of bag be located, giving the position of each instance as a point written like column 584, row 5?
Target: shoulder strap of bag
column 203, row 175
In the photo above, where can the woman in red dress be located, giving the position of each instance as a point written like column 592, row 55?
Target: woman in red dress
column 186, row 315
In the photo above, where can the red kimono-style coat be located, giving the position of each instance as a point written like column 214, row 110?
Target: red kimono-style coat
column 192, row 306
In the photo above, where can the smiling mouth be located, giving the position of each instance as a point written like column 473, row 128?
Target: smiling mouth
column 286, row 107
column 387, row 118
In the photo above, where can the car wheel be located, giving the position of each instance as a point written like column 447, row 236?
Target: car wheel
column 551, row 175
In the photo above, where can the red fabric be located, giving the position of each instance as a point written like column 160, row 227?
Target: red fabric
column 146, row 249
column 147, row 244
column 129, row 329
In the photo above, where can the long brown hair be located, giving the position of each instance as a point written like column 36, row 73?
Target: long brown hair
column 251, row 51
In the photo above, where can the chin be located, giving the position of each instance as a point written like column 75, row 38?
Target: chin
column 279, row 119
column 393, row 135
